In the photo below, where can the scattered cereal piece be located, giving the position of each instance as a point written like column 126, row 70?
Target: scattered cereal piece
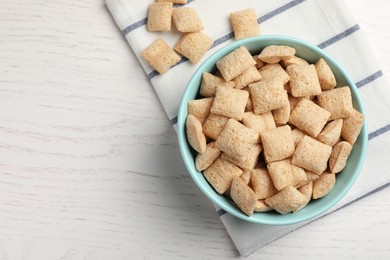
column 249, row 76
column 260, row 206
column 160, row 56
column 193, row 45
column 159, row 17
column 325, row 75
column 323, row 185
column 214, row 125
column 262, row 183
column 352, row 126
column 209, row 84
column 204, row 160
column 186, row 20
column 235, row 139
column 259, row 123
column 274, row 73
column 244, row 23
column 311, row 155
column 278, row 143
column 267, row 97
column 309, row 117
column 275, row 53
column 282, row 114
column 287, row 200
column 200, row 108
column 235, row 63
column 230, row 102
column 243, row 196
column 303, row 80
column 195, row 136
column 339, row 156
column 337, row 101
column 294, row 60
column 331, row 132
column 220, row 174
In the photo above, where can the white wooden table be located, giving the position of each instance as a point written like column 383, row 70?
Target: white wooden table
column 89, row 163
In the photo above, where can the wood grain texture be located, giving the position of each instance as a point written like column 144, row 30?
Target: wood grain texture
column 89, row 163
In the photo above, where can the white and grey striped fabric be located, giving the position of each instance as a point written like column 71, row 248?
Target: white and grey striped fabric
column 325, row 23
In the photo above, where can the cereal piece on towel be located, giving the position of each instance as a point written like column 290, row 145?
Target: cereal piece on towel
column 259, row 123
column 352, row 126
column 209, row 84
column 339, row 156
column 235, row 139
column 287, row 200
column 193, row 45
column 275, row 53
column 204, row 160
column 235, row 63
column 260, row 206
column 309, row 117
column 312, row 155
column 262, row 183
column 274, row 72
column 230, row 102
column 214, row 125
column 278, row 143
column 249, row 160
column 249, row 76
column 244, row 23
column 186, row 20
column 195, row 135
column 267, row 97
column 200, row 108
column 294, row 60
column 331, row 132
column 159, row 17
column 323, row 185
column 337, row 101
column 325, row 75
column 303, row 80
column 220, row 174
column 243, row 196
column 160, row 56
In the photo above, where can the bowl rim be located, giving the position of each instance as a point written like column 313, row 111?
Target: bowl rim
column 210, row 193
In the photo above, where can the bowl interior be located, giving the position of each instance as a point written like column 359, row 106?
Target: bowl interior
column 345, row 179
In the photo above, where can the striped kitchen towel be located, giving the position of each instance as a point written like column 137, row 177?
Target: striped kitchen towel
column 327, row 24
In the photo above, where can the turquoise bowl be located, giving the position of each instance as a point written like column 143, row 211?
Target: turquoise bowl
column 345, row 179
